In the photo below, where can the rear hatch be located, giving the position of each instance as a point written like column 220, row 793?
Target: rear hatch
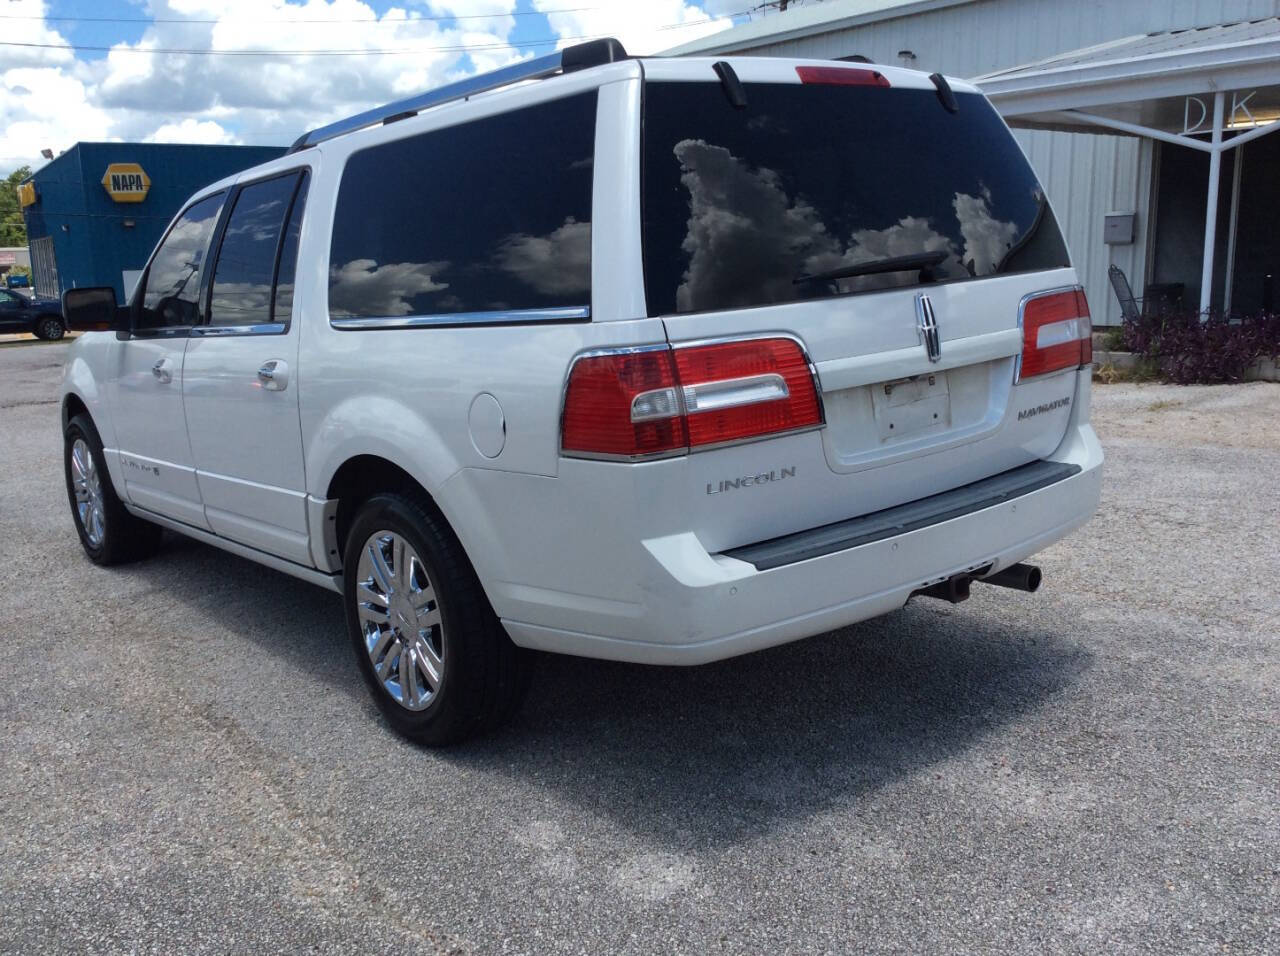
column 852, row 208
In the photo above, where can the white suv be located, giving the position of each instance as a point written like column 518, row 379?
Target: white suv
column 656, row 360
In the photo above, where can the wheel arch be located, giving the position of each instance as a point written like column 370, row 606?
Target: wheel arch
column 364, row 475
column 361, row 477
column 73, row 405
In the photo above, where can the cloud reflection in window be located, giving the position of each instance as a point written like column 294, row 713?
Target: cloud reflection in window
column 747, row 238
column 362, row 287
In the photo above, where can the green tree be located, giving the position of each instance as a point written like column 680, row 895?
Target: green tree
column 13, row 231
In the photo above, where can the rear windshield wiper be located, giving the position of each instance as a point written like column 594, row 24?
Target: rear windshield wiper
column 921, row 260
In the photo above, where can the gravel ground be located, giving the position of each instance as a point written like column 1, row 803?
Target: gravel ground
column 189, row 763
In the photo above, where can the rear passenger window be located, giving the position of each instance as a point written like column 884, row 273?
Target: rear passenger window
column 245, row 269
column 492, row 216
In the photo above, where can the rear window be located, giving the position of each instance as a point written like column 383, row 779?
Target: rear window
column 492, row 216
column 759, row 206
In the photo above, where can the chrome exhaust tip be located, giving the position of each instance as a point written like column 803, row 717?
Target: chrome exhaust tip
column 1020, row 577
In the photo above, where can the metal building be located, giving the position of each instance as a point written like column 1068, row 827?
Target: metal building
column 1136, row 201
column 94, row 213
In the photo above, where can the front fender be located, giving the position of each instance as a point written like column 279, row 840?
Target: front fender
column 80, row 379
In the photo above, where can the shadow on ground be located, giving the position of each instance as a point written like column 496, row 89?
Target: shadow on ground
column 702, row 756
column 722, row 753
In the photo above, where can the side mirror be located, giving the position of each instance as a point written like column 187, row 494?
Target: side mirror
column 94, row 310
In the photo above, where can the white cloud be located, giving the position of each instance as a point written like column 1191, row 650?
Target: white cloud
column 192, row 131
column 642, row 28
column 135, row 93
column 44, row 108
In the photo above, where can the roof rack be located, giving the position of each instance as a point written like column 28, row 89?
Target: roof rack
column 568, row 60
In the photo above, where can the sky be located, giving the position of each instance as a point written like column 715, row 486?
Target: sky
column 137, row 73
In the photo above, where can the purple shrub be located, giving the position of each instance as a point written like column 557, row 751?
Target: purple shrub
column 1190, row 351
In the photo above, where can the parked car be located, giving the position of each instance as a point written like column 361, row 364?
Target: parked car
column 35, row 314
column 510, row 375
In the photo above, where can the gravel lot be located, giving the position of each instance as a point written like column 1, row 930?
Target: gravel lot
column 189, row 763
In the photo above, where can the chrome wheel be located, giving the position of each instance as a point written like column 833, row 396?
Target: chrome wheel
column 400, row 620
column 88, row 489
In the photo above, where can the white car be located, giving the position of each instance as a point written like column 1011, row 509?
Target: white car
column 655, row 360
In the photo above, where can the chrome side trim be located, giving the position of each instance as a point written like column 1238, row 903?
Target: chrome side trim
column 575, row 313
column 332, row 582
column 261, row 328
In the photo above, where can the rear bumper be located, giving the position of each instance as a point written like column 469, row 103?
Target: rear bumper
column 699, row 607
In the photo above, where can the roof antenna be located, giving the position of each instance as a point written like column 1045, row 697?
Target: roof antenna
column 731, row 85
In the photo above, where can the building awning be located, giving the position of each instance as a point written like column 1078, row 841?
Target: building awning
column 1210, row 88
column 1145, row 80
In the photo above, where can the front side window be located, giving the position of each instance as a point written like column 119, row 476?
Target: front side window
column 245, row 268
column 489, row 216
column 172, row 293
column 815, row 190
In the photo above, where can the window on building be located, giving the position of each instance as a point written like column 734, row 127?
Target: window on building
column 244, row 272
column 489, row 216
column 172, row 293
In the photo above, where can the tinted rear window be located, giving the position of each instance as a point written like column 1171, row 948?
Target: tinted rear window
column 809, row 179
column 489, row 216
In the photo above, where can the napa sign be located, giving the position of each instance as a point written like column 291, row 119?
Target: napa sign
column 126, row 182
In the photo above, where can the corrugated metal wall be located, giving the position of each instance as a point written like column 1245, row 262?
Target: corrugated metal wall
column 1085, row 175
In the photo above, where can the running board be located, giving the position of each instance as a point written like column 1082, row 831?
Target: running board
column 332, row 582
column 891, row 522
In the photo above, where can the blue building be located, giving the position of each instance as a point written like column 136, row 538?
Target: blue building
column 95, row 213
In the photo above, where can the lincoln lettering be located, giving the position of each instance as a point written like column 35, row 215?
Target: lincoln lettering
column 746, row 481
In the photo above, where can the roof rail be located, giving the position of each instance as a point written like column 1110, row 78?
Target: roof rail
column 572, row 58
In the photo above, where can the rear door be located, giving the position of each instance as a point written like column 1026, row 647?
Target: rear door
column 145, row 379
column 240, row 381
column 849, row 207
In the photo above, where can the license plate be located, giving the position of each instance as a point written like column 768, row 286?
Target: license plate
column 911, row 406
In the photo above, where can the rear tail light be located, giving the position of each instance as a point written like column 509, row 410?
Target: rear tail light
column 658, row 401
column 613, row 402
column 1057, row 333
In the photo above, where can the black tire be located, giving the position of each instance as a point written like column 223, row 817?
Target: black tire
column 124, row 538
column 50, row 328
column 484, row 675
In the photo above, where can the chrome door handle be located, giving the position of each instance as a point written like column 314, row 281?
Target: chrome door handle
column 161, row 371
column 274, row 375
